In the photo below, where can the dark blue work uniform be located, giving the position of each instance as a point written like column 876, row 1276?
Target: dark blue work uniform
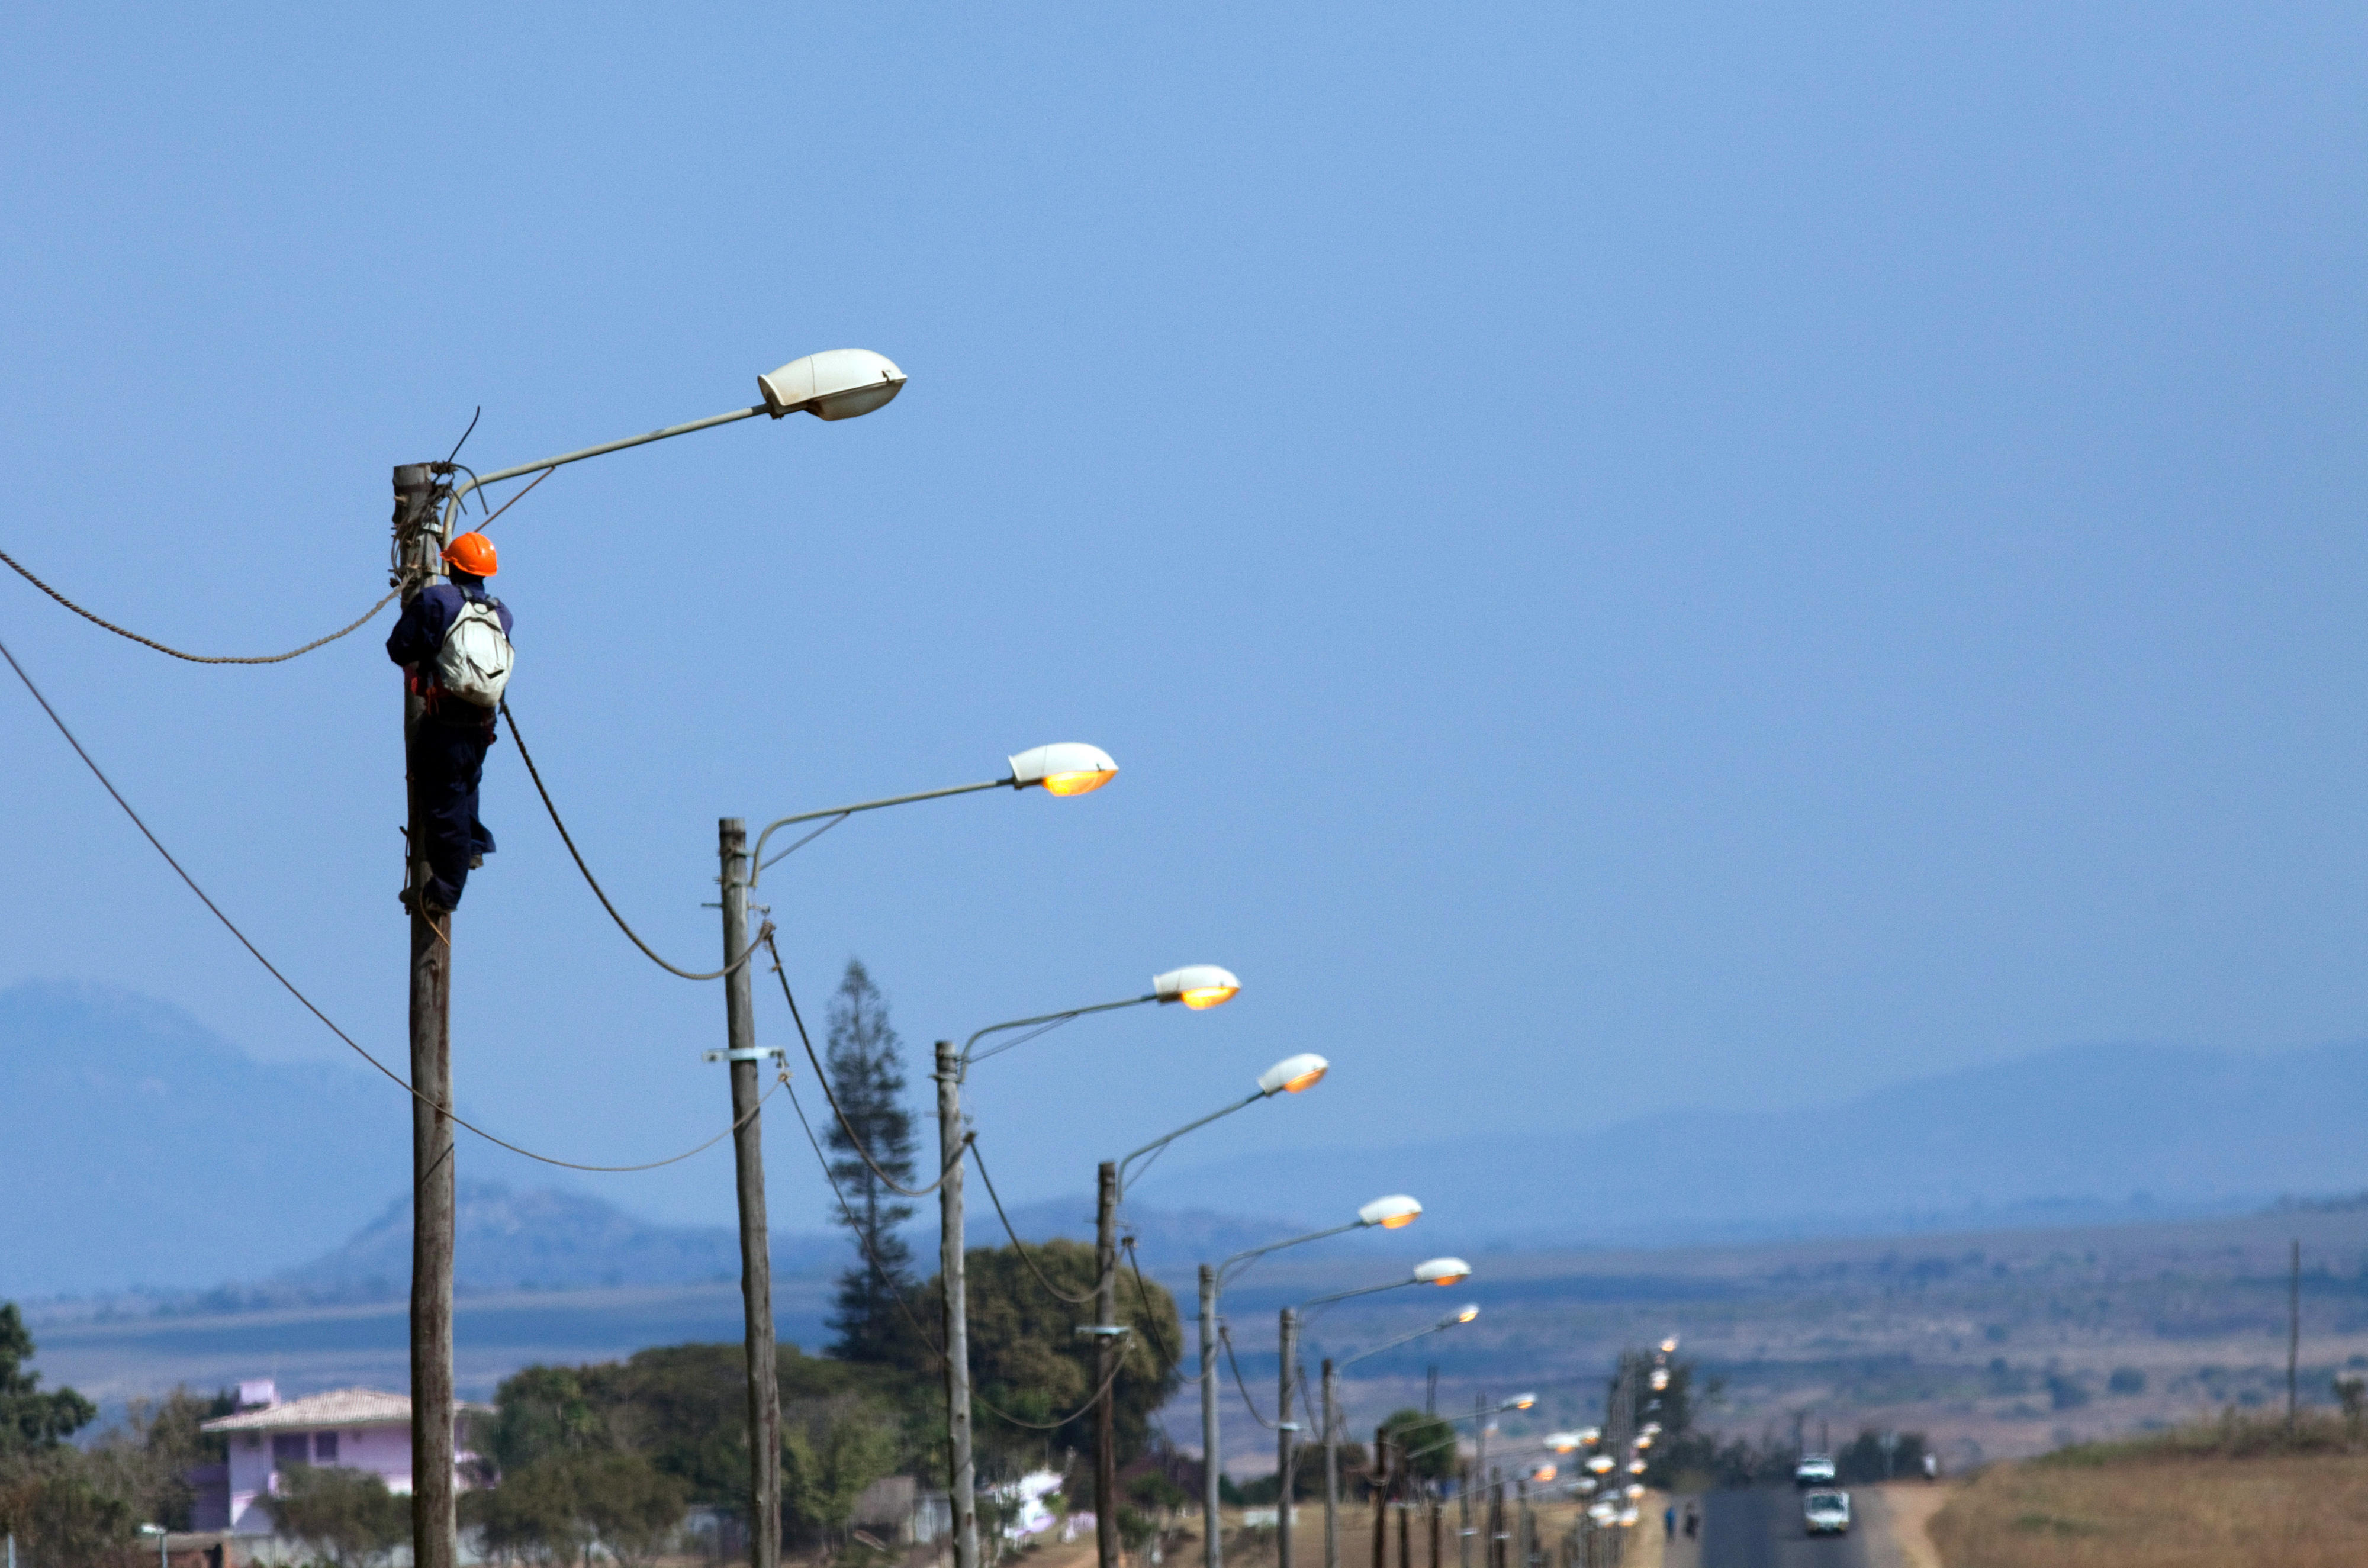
column 448, row 747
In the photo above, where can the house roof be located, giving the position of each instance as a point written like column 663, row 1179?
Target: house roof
column 338, row 1407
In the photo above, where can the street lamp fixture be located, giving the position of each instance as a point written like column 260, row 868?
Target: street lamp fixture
column 1393, row 1212
column 831, row 388
column 1067, row 768
column 838, row 384
column 1291, row 1076
column 1199, row 987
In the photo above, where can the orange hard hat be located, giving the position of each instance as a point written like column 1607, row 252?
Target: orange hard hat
column 473, row 553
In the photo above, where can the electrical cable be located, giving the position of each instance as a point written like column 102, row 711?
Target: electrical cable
column 290, row 986
column 1017, row 1245
column 1225, row 1336
column 197, row 658
column 897, row 1290
column 853, row 1138
column 862, row 1240
column 1150, row 1315
column 594, row 883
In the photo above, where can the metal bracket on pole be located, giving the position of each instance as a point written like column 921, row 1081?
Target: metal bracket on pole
column 748, row 1053
column 1093, row 1330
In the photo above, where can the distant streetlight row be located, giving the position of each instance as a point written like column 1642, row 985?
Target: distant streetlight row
column 835, row 386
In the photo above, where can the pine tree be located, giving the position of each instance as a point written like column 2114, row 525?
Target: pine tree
column 866, row 1076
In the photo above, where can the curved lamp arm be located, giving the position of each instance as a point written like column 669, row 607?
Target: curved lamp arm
column 1158, row 1143
column 839, row 813
column 1049, row 1020
column 1226, row 1268
column 460, row 492
column 1449, row 1321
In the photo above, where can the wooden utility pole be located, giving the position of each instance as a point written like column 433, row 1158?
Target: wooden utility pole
column 744, row 1060
column 2294, row 1336
column 1381, row 1497
column 961, row 1494
column 1107, row 1349
column 1285, row 1431
column 435, row 1527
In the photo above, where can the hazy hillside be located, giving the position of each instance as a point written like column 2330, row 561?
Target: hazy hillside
column 2085, row 1132
column 545, row 1239
column 138, row 1146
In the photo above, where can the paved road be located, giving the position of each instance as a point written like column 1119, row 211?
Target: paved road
column 1762, row 1529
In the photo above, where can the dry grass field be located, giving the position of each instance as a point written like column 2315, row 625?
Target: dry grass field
column 2220, row 1492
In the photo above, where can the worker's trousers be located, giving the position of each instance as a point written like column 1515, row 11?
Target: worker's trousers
column 447, row 762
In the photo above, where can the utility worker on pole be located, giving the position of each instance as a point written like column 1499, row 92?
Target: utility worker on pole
column 453, row 644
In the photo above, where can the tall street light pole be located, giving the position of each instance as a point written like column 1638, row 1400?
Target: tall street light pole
column 838, row 384
column 1331, row 1416
column 1068, row 768
column 1287, row 1076
column 1437, row 1271
column 1199, row 987
column 1390, row 1213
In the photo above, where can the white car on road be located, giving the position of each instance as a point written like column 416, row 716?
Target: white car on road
column 1826, row 1513
column 1815, row 1469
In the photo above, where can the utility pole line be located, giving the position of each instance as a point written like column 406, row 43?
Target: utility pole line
column 961, row 1482
column 1284, row 1431
column 1211, row 1465
column 1331, row 1466
column 435, row 1524
column 1106, row 1347
column 2294, row 1336
column 742, row 1059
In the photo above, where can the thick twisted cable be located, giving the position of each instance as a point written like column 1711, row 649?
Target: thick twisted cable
column 1017, row 1245
column 290, row 986
column 1225, row 1336
column 594, row 883
column 823, row 1078
column 19, row 567
column 936, row 1347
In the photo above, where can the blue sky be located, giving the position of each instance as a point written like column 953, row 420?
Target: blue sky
column 1685, row 556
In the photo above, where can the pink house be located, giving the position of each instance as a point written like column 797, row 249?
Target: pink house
column 345, row 1428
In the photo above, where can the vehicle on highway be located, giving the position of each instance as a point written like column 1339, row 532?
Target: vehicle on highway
column 1825, row 1513
column 1815, row 1469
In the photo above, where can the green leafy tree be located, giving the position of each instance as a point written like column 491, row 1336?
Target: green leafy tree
column 60, row 1517
column 347, row 1517
column 830, row 1451
column 1029, row 1362
column 866, row 1060
column 1424, row 1443
column 29, row 1418
column 560, row 1506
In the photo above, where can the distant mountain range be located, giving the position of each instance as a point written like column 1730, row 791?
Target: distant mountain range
column 141, row 1148
column 2083, row 1134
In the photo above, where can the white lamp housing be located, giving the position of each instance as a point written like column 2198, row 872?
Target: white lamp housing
column 1564, row 1442
column 1462, row 1314
column 838, row 384
column 1442, row 1271
column 1196, row 985
column 1390, row 1213
column 1292, row 1073
column 1066, row 768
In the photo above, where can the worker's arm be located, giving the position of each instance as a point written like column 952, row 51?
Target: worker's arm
column 420, row 632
